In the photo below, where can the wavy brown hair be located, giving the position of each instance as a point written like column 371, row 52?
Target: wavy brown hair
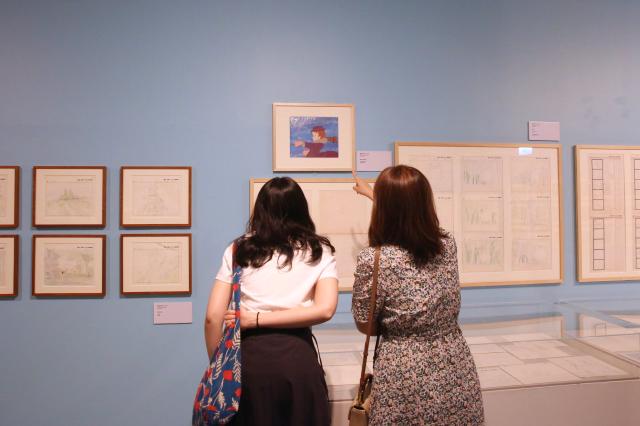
column 404, row 214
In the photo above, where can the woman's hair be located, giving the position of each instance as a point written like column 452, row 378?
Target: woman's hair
column 281, row 223
column 404, row 214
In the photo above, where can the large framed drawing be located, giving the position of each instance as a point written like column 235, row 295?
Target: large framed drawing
column 9, row 196
column 339, row 214
column 155, row 196
column 9, row 253
column 69, row 265
column 69, row 196
column 313, row 137
column 155, row 264
column 608, row 212
column 502, row 203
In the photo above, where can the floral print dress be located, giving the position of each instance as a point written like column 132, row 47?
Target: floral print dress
column 424, row 372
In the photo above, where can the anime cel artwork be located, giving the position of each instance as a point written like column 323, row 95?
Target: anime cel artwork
column 313, row 137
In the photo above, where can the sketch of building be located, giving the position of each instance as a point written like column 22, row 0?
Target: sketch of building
column 157, row 263
column 531, row 215
column 482, row 174
column 531, row 254
column 531, row 174
column 157, row 197
column 68, row 264
column 484, row 215
column 482, row 254
column 608, row 244
column 69, row 197
column 607, row 184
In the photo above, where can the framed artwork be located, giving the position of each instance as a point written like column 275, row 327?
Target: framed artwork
column 313, row 137
column 69, row 265
column 155, row 196
column 339, row 214
column 69, row 196
column 9, row 253
column 9, row 196
column 501, row 202
column 155, row 264
column 608, row 212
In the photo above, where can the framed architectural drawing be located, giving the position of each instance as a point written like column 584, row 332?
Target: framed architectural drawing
column 9, row 253
column 155, row 197
column 9, row 196
column 501, row 202
column 155, row 264
column 69, row 265
column 313, row 137
column 608, row 212
column 339, row 214
column 69, row 196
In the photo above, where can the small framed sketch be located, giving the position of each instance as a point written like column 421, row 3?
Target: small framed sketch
column 9, row 196
column 69, row 196
column 9, row 252
column 155, row 196
column 155, row 264
column 313, row 137
column 69, row 265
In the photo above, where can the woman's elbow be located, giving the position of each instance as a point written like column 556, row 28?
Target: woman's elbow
column 326, row 313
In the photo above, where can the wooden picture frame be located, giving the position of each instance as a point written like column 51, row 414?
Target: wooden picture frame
column 9, row 196
column 503, row 204
column 155, row 196
column 601, row 173
column 313, row 137
column 348, row 237
column 9, row 265
column 155, row 264
column 69, row 196
column 69, row 265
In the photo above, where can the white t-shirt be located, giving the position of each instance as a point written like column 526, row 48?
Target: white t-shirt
column 270, row 288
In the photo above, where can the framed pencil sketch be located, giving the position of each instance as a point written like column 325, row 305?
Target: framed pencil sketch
column 339, row 214
column 313, row 137
column 608, row 212
column 9, row 196
column 501, row 202
column 69, row 196
column 155, row 196
column 9, row 253
column 155, row 264
column 69, row 265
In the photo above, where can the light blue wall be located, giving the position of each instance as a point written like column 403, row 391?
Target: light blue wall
column 191, row 83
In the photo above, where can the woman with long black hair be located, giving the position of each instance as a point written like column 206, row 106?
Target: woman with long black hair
column 288, row 283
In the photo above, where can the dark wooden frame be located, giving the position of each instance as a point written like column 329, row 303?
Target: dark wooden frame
column 103, row 222
column 16, row 265
column 154, row 293
column 16, row 198
column 155, row 225
column 62, row 236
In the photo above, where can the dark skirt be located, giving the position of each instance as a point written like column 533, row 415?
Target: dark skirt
column 282, row 381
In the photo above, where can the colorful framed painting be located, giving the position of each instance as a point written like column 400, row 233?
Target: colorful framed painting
column 9, row 196
column 69, row 265
column 155, row 196
column 155, row 264
column 69, row 196
column 9, row 252
column 313, row 137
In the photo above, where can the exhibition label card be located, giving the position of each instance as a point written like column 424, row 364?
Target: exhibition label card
column 373, row 161
column 544, row 131
column 172, row 313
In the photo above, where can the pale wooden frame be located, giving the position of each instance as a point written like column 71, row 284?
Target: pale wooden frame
column 558, row 148
column 576, row 153
column 16, row 197
column 312, row 169
column 16, row 265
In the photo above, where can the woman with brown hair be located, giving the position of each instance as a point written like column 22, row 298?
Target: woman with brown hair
column 424, row 372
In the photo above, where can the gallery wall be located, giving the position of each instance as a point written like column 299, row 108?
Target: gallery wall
column 191, row 83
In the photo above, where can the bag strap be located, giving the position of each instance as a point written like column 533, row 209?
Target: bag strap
column 372, row 306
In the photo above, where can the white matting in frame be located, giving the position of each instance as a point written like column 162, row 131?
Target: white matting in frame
column 155, row 196
column 155, row 264
column 69, row 196
column 313, row 137
column 69, row 265
column 9, row 196
column 9, row 252
column 339, row 214
column 502, row 204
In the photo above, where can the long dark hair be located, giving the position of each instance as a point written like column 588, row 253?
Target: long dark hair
column 281, row 223
column 404, row 214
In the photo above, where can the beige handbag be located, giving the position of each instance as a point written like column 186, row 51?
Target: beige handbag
column 361, row 407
